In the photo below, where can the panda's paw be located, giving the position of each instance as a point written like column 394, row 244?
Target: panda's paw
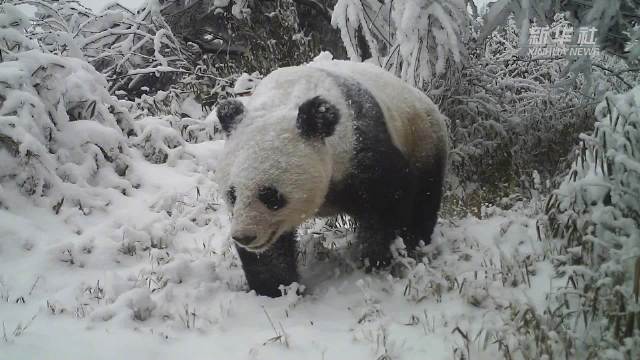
column 277, row 290
column 376, row 263
column 293, row 289
column 274, row 286
column 270, row 292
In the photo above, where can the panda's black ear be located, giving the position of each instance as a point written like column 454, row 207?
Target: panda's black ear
column 230, row 112
column 317, row 118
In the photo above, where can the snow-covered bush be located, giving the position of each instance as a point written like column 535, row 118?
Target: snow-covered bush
column 596, row 212
column 159, row 142
column 233, row 37
column 418, row 40
column 208, row 83
column 62, row 136
column 616, row 21
column 168, row 120
column 133, row 50
column 514, row 115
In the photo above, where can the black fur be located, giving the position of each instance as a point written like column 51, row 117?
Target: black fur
column 229, row 114
column 425, row 205
column 379, row 192
column 276, row 266
column 317, row 118
column 385, row 194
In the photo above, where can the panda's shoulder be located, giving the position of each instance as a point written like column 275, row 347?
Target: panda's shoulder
column 291, row 74
column 290, row 86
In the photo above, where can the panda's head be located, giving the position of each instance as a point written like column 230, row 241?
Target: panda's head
column 275, row 168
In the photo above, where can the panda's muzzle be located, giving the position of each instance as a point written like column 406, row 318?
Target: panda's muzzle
column 262, row 246
column 244, row 240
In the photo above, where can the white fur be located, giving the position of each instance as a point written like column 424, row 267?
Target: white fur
column 414, row 122
column 289, row 87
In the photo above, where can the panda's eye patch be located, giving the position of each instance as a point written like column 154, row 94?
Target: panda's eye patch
column 271, row 198
column 231, row 195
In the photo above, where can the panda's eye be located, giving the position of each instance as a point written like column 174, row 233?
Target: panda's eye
column 231, row 195
column 271, row 198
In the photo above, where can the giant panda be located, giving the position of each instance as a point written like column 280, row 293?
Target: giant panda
column 322, row 139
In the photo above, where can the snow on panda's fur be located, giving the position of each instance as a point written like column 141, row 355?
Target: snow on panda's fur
column 326, row 138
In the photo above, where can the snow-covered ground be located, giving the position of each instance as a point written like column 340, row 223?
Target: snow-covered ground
column 114, row 244
column 154, row 277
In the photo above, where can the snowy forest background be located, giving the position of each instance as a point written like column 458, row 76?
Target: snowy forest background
column 113, row 238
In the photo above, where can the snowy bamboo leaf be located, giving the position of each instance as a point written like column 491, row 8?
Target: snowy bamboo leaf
column 417, row 40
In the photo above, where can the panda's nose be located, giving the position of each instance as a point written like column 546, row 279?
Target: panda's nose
column 244, row 239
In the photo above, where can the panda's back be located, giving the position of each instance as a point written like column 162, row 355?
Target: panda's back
column 414, row 124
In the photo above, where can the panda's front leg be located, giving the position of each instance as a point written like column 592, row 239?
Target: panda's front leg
column 375, row 237
column 267, row 270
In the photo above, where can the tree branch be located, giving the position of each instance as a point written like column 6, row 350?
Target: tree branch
column 320, row 8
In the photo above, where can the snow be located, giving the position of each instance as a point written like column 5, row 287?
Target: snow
column 594, row 208
column 414, row 39
column 246, row 83
column 114, row 242
column 98, row 5
column 153, row 274
column 144, row 280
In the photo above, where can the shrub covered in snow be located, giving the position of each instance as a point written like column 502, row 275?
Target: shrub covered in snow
column 133, row 50
column 596, row 211
column 420, row 41
column 516, row 117
column 615, row 21
column 167, row 121
column 62, row 136
column 242, row 36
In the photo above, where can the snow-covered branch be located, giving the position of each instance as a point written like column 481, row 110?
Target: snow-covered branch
column 115, row 42
column 418, row 40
